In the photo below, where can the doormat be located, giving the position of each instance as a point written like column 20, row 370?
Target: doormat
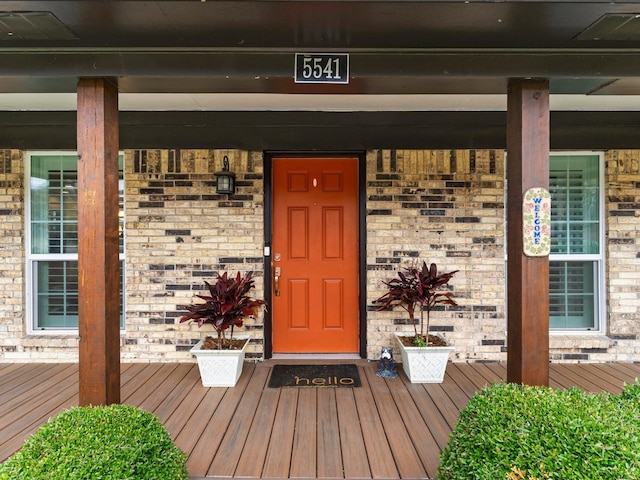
column 331, row 375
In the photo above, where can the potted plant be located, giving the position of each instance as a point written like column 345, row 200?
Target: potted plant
column 227, row 305
column 424, row 355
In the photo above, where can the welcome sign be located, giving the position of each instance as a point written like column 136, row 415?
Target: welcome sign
column 536, row 222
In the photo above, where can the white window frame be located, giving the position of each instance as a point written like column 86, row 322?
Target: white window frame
column 31, row 258
column 600, row 300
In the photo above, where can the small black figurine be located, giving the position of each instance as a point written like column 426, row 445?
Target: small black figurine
column 387, row 365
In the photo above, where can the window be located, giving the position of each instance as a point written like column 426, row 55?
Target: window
column 52, row 248
column 576, row 260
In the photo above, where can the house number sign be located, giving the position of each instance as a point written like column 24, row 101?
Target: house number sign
column 322, row 68
column 536, row 222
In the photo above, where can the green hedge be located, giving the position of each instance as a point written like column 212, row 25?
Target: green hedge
column 517, row 432
column 116, row 442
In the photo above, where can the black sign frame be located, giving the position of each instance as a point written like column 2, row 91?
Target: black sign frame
column 321, row 68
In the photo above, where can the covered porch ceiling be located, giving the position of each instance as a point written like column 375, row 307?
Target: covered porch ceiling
column 207, row 56
column 442, row 47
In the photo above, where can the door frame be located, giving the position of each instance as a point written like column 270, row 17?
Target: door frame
column 362, row 239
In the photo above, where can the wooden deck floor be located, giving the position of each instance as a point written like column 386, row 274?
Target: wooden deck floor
column 387, row 429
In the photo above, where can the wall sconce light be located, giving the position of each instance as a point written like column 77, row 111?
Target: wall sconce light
column 225, row 180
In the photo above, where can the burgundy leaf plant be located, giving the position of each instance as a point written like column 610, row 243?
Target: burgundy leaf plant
column 226, row 306
column 417, row 287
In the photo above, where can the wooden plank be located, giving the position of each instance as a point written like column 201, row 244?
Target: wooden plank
column 34, row 382
column 41, row 407
column 611, row 371
column 7, row 368
column 630, row 369
column 252, row 459
column 304, row 448
column 33, row 399
column 459, row 395
column 497, row 368
column 607, row 381
column 381, row 460
column 187, row 422
column 439, row 426
column 153, row 386
column 171, row 393
column 633, row 367
column 352, row 445
column 329, row 463
column 14, row 413
column 38, row 409
column 138, row 376
column 129, row 370
column 466, row 386
column 442, row 401
column 224, row 412
column 357, row 432
column 228, row 454
column 570, row 375
column 528, row 297
column 98, row 243
column 26, row 372
column 9, row 372
column 199, row 425
column 557, row 379
column 470, row 373
column 405, row 456
column 423, row 440
column 278, row 459
column 619, row 372
column 482, row 374
column 570, row 372
column 37, row 381
column 482, row 371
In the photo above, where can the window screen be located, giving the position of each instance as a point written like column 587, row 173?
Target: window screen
column 53, row 230
column 575, row 260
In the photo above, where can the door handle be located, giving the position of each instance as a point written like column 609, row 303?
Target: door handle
column 276, row 279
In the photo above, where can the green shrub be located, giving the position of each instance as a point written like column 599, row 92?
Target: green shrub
column 116, row 442
column 518, row 432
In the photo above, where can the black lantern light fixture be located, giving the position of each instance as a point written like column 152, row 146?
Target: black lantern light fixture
column 225, row 180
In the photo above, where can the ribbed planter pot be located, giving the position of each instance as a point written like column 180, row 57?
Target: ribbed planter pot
column 424, row 364
column 220, row 368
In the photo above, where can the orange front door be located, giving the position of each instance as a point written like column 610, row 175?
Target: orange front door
column 315, row 255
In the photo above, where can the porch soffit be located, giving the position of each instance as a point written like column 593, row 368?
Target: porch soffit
column 465, row 50
column 243, row 102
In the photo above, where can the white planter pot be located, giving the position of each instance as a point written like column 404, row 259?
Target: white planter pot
column 424, row 364
column 220, row 368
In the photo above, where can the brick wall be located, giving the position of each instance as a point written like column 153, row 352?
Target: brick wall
column 179, row 233
column 622, row 254
column 622, row 211
column 11, row 252
column 445, row 207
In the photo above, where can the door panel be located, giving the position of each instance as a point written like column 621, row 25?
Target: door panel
column 315, row 252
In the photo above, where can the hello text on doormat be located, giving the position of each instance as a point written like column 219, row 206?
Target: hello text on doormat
column 303, row 376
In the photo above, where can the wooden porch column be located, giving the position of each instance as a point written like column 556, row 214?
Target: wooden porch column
column 527, row 276
column 98, row 264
